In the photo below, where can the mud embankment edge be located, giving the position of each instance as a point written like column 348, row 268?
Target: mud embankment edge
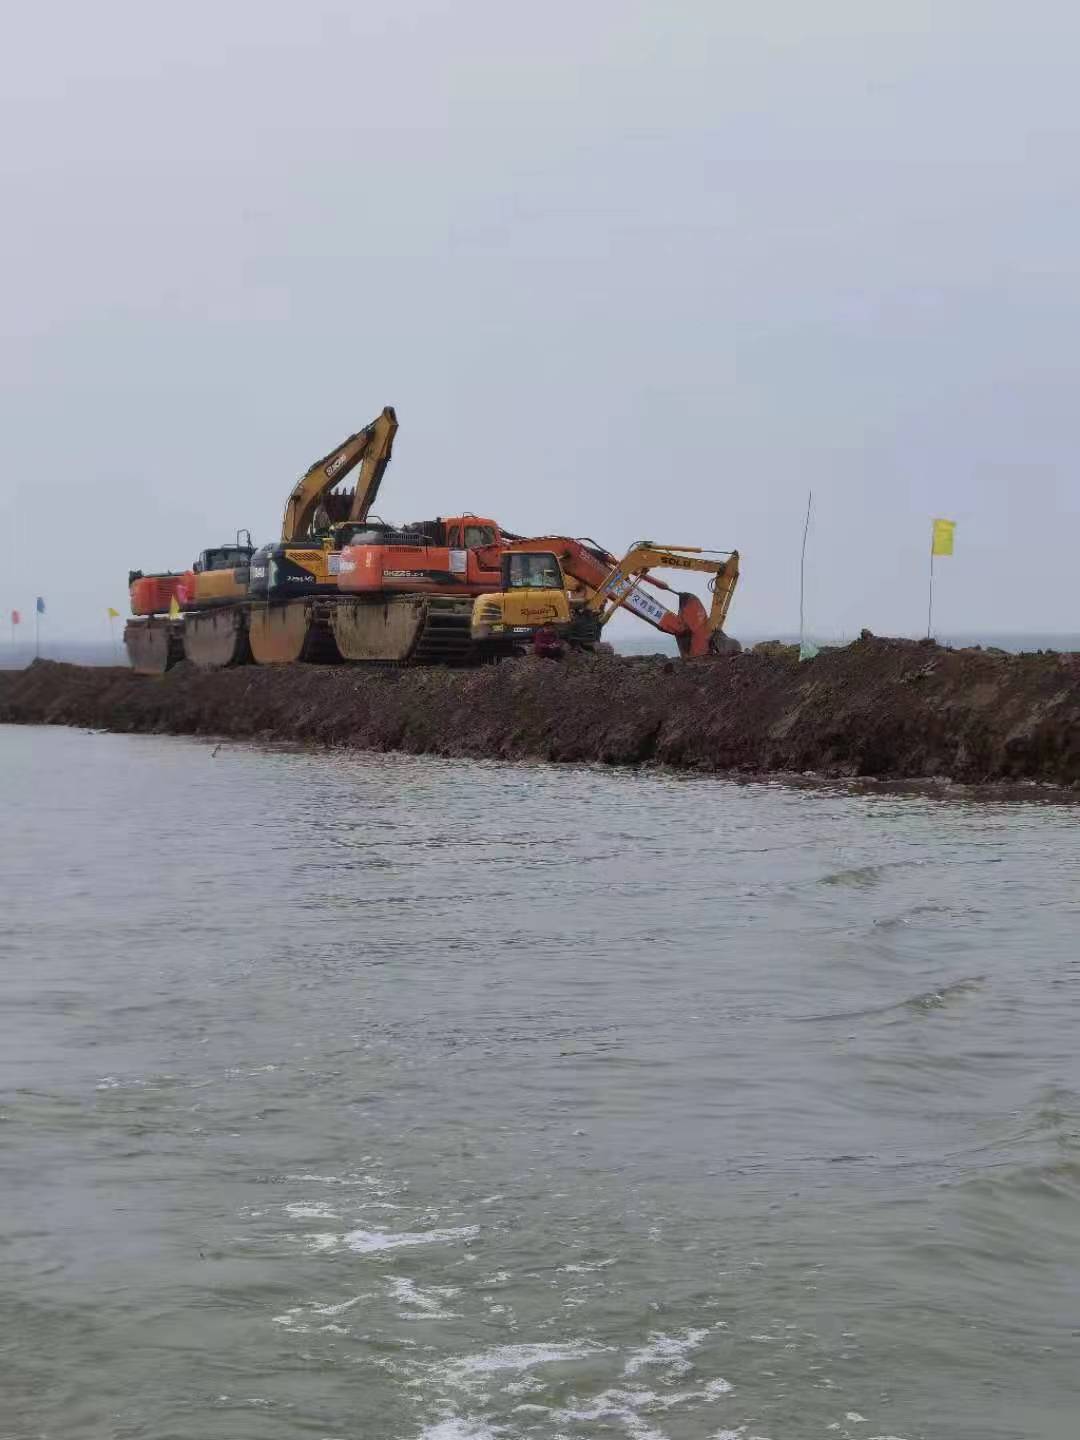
column 889, row 709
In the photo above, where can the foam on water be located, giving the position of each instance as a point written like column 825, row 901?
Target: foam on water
column 668, row 1351
column 311, row 1210
column 629, row 1406
column 520, row 1357
column 421, row 1303
column 319, row 1241
column 368, row 1242
column 458, row 1428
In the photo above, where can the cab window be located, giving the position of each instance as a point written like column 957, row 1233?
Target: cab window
column 226, row 558
column 538, row 571
column 479, row 535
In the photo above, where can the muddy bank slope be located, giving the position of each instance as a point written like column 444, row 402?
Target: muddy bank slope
column 888, row 708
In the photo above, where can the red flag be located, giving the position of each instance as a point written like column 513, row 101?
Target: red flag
column 16, row 618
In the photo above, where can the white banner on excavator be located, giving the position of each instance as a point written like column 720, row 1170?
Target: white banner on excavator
column 641, row 605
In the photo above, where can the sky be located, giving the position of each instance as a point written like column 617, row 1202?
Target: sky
column 626, row 270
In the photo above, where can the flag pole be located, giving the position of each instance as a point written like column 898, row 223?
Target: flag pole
column 802, row 571
column 930, row 605
column 37, row 634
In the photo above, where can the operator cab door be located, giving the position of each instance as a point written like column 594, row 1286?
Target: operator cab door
column 534, row 591
column 458, row 555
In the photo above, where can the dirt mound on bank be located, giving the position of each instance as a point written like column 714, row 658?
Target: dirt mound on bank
column 894, row 709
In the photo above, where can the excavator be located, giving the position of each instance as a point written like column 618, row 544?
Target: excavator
column 342, row 584
column 220, row 622
column 293, row 586
column 162, row 634
column 339, row 584
column 559, row 591
column 406, row 595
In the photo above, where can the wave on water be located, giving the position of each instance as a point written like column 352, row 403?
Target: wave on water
column 925, row 1000
column 420, row 1302
column 867, row 875
column 668, row 1351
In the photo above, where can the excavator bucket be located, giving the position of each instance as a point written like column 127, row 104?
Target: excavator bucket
column 693, row 641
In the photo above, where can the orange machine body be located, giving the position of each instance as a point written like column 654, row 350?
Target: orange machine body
column 153, row 594
column 460, row 555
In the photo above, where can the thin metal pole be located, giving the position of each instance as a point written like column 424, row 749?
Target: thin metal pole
column 37, row 634
column 802, row 568
column 930, row 606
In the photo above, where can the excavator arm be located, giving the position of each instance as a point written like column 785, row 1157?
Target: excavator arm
column 369, row 448
column 594, row 584
column 608, row 583
column 693, row 627
column 696, row 630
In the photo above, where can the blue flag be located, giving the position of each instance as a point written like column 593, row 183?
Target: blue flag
column 40, row 606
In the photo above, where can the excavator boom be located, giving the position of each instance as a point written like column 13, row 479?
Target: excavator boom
column 693, row 626
column 369, row 448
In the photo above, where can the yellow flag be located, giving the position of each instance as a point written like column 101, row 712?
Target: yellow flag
column 113, row 614
column 174, row 609
column 942, row 543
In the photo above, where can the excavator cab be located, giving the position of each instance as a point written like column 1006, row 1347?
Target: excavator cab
column 221, row 574
column 470, row 533
column 532, row 570
column 533, row 599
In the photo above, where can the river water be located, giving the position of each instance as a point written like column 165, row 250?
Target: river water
column 355, row 1097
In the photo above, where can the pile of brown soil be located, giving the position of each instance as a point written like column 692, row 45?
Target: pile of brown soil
column 895, row 709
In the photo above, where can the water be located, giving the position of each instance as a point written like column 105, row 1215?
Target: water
column 358, row 1097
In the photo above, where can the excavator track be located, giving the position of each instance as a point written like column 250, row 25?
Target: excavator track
column 446, row 635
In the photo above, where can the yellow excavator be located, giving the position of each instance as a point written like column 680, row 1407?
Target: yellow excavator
column 282, row 612
column 557, row 591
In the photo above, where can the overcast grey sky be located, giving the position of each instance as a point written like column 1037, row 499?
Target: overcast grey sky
column 625, row 269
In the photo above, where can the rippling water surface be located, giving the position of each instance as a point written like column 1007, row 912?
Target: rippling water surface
column 355, row 1097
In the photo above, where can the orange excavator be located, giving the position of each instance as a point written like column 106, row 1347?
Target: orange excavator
column 165, row 606
column 341, row 584
column 557, row 589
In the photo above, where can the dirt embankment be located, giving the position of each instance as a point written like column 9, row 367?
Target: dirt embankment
column 895, row 709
